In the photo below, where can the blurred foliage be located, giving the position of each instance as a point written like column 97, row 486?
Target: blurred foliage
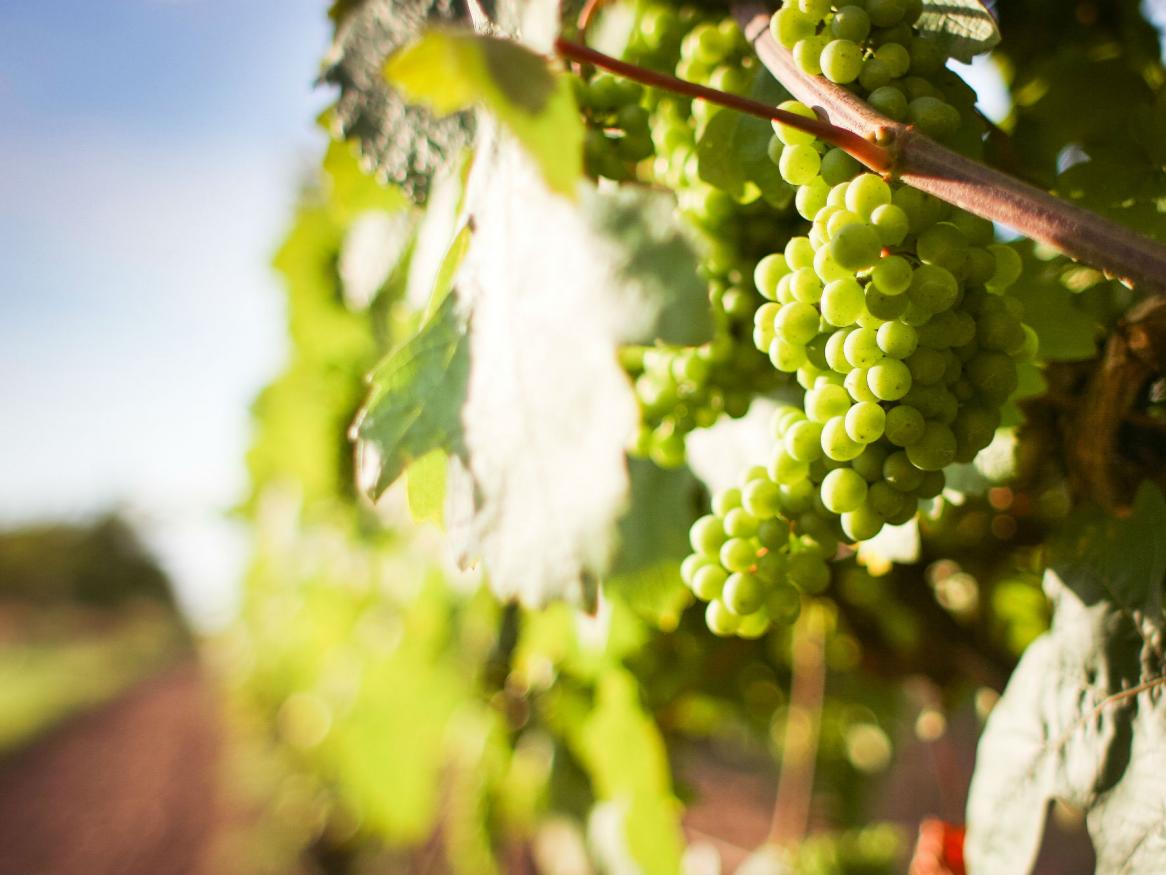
column 418, row 724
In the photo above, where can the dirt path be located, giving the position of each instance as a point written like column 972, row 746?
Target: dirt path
column 126, row 789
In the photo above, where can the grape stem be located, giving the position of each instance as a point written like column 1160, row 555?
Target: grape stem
column 871, row 154
column 795, row 783
column 922, row 163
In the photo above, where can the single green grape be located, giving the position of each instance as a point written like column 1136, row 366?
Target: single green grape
column 841, row 61
column 854, row 245
column 707, row 535
column 837, row 443
column 850, row 23
column 843, row 490
column 905, row 425
column 889, row 379
column 708, row 582
column 720, row 620
column 900, row 473
column 791, row 136
column 738, row 554
column 935, row 450
column 804, row 441
column 842, row 302
column 865, row 422
column 743, row 593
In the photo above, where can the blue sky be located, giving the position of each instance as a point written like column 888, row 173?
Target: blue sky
column 150, row 151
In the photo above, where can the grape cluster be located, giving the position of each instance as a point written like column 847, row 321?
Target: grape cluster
column 618, row 136
column 873, row 47
column 749, row 563
column 891, row 314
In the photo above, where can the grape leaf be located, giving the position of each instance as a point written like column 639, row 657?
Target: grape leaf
column 451, row 70
column 406, row 145
column 415, row 402
column 1084, row 716
column 532, row 400
column 653, row 541
column 962, row 28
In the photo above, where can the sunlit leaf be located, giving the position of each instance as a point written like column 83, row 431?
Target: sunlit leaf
column 450, row 71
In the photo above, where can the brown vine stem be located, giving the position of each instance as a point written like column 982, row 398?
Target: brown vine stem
column 870, row 154
column 795, row 784
column 924, row 164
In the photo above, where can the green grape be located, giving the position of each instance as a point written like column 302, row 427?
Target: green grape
column 805, row 286
column 807, row 54
column 905, row 425
column 799, row 164
column 799, row 253
column 875, row 74
column 762, row 499
column 900, row 473
column 882, row 308
column 927, row 366
column 772, row 533
column 754, row 625
column 786, row 356
column 935, row 450
column 932, row 115
column 720, row 620
column 869, row 463
column 797, row 322
column 838, row 166
column 837, row 443
column 842, row 302
column 890, row 223
column 993, row 374
column 1008, row 267
column 1000, row 332
column 784, row 469
column 944, row 245
column 886, row 13
column 707, row 535
column 892, row 275
column 792, row 136
column 866, row 193
column 843, row 490
column 862, row 524
column 890, row 101
column 926, row 56
column 827, row 268
column 737, row 554
column 894, row 55
column 836, row 352
column 862, row 348
column 889, row 379
column 854, row 245
column 798, row 496
column 815, row 9
column 708, row 582
column 897, row 340
column 812, row 197
column 840, row 219
column 974, row 428
column 691, row 565
column 865, row 422
column 857, row 386
column 933, row 289
column 743, row 594
column 824, row 403
column 841, row 61
column 808, row 572
column 784, row 602
column 739, row 523
column 850, row 23
column 889, row 503
column 804, row 441
column 783, row 418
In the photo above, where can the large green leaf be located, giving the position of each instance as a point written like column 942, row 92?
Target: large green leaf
column 1084, row 716
column 452, row 70
column 404, row 144
column 963, row 28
